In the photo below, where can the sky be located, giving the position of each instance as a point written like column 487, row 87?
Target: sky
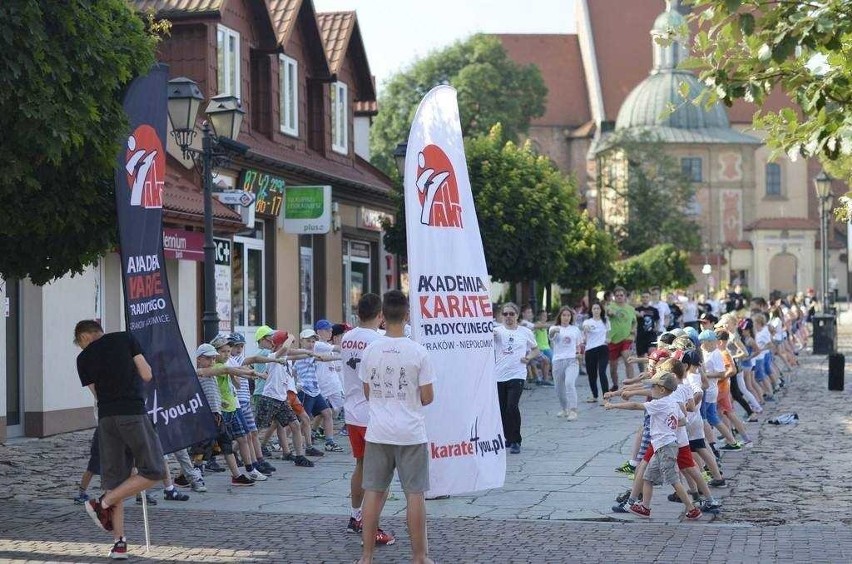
column 397, row 32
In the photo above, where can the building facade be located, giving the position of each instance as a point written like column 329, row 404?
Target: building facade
column 304, row 82
column 759, row 217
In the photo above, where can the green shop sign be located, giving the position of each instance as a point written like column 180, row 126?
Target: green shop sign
column 307, row 209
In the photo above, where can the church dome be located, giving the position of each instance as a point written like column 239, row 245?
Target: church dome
column 657, row 101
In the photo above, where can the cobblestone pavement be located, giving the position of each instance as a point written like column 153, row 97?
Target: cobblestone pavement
column 788, row 499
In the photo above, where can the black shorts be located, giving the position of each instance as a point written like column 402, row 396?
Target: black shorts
column 643, row 346
column 696, row 444
column 222, row 436
column 125, row 442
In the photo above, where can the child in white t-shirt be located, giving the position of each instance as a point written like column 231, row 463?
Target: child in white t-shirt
column 666, row 415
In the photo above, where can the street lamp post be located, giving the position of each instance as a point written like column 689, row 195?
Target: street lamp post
column 822, row 186
column 399, row 158
column 225, row 116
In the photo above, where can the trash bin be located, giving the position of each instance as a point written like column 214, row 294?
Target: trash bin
column 825, row 333
column 836, row 369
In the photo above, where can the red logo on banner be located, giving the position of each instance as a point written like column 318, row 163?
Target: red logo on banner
column 146, row 167
column 437, row 189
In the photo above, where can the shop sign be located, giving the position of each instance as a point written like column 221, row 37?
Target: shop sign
column 307, row 209
column 372, row 219
column 183, row 245
column 222, row 275
column 268, row 190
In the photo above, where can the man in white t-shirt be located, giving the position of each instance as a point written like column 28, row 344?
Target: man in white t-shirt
column 356, row 410
column 397, row 378
column 663, row 308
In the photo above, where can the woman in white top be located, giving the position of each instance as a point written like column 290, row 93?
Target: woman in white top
column 565, row 340
column 596, row 336
column 514, row 347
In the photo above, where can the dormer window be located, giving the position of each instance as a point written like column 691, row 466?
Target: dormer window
column 339, row 118
column 288, row 73
column 228, row 61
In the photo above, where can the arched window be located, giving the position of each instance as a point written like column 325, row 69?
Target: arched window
column 773, row 179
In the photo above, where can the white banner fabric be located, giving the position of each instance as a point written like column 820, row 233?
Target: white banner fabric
column 451, row 312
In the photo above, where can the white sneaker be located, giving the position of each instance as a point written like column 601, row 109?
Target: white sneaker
column 256, row 476
column 571, row 415
column 198, row 486
column 562, row 414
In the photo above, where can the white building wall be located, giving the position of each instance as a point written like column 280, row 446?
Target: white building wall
column 182, row 277
column 362, row 137
column 64, row 303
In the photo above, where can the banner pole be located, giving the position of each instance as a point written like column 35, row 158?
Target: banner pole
column 145, row 521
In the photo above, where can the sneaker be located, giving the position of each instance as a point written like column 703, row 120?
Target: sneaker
column 313, row 451
column 563, row 413
column 735, row 446
column 623, row 497
column 621, row 507
column 118, row 550
column 707, row 506
column 102, row 517
column 673, row 497
column 242, row 480
column 81, row 498
column 213, row 466
column 303, row 462
column 693, row 514
column 592, row 400
column 264, row 450
column 354, row 526
column 344, row 432
column 547, row 383
column 384, row 538
column 721, row 483
column 516, row 448
column 257, row 476
column 626, row 468
column 288, row 456
column 331, row 446
column 182, row 481
column 640, row 510
column 572, row 415
column 267, row 468
column 199, row 486
column 148, row 497
column 174, row 495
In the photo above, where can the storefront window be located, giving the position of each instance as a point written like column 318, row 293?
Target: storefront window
column 247, row 267
column 356, row 276
column 306, row 280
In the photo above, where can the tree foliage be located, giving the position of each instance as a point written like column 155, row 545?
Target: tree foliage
column 529, row 218
column 746, row 49
column 655, row 193
column 65, row 65
column 491, row 89
column 665, row 266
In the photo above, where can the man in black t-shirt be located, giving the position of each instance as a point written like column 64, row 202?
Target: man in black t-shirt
column 648, row 318
column 113, row 367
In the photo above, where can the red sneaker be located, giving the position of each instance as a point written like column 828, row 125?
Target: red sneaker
column 118, row 551
column 693, row 513
column 354, row 526
column 641, row 510
column 102, row 517
column 384, row 538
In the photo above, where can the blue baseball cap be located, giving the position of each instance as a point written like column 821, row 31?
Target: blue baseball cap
column 708, row 335
column 323, row 325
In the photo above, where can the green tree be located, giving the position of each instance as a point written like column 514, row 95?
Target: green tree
column 491, row 89
column 528, row 215
column 593, row 253
column 662, row 265
column 746, row 49
column 65, row 65
column 655, row 194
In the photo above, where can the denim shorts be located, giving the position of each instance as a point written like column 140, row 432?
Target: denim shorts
column 314, row 405
column 710, row 413
column 760, row 371
column 235, row 423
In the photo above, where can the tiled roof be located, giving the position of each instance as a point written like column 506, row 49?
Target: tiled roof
column 795, row 223
column 184, row 197
column 558, row 58
column 368, row 107
column 336, row 29
column 178, row 7
column 283, row 14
